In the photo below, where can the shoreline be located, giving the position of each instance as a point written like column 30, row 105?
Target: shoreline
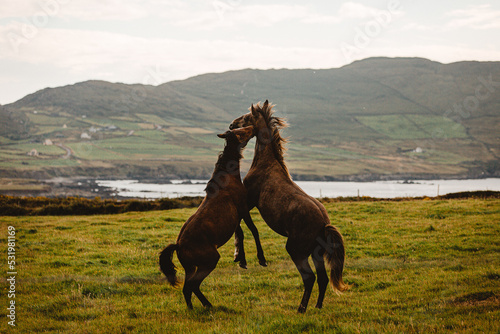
column 89, row 188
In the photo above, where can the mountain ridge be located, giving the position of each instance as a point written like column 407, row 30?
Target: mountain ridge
column 364, row 118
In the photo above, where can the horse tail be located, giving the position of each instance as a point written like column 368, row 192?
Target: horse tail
column 167, row 266
column 334, row 256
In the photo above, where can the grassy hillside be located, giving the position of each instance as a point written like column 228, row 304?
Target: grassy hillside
column 413, row 266
column 364, row 120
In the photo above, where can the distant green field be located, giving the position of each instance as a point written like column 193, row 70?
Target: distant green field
column 47, row 120
column 320, row 152
column 414, row 126
column 42, row 149
column 149, row 118
column 438, row 127
column 89, row 150
column 426, row 266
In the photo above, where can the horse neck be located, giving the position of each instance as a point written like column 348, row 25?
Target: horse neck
column 265, row 156
column 229, row 161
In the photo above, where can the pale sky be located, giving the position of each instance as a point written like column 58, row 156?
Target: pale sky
column 50, row 43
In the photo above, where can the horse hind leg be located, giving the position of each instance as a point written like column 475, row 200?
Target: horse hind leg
column 187, row 290
column 202, row 272
column 319, row 263
column 308, row 277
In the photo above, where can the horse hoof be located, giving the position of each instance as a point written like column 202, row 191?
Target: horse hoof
column 243, row 265
column 239, row 258
column 263, row 263
column 318, row 306
column 302, row 309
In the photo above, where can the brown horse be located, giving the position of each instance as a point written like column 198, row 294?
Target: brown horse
column 288, row 210
column 215, row 221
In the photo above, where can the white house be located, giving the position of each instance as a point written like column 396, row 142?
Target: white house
column 33, row 153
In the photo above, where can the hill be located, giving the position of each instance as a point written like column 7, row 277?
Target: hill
column 373, row 119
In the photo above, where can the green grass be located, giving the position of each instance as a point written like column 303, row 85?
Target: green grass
column 150, row 118
column 129, row 148
column 439, row 127
column 47, row 120
column 303, row 152
column 42, row 149
column 413, row 266
column 439, row 157
column 90, row 150
column 414, row 126
column 152, row 135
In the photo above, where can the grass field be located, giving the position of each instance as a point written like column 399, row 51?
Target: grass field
column 423, row 266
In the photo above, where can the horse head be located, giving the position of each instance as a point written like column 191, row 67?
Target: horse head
column 239, row 136
column 255, row 117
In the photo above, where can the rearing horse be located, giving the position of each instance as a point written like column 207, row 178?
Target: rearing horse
column 215, row 221
column 287, row 209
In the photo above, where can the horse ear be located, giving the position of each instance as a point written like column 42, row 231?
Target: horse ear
column 254, row 112
column 223, row 135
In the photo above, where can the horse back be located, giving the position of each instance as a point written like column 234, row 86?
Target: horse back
column 216, row 219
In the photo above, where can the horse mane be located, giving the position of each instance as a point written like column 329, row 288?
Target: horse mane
column 275, row 124
column 232, row 153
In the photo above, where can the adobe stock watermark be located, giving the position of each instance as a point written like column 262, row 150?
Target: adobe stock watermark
column 221, row 179
column 461, row 111
column 30, row 27
column 11, row 276
column 370, row 30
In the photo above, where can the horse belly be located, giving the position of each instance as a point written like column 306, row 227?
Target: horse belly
column 293, row 214
column 272, row 218
column 224, row 224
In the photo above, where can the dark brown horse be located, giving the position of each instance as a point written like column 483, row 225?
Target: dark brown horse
column 215, row 221
column 288, row 210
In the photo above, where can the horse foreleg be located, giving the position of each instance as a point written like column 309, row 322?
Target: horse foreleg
column 260, row 252
column 239, row 249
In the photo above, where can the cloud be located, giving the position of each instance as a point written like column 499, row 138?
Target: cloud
column 81, row 10
column 223, row 14
column 355, row 10
column 112, row 56
column 207, row 15
column 18, row 9
column 420, row 27
column 476, row 17
column 236, row 13
column 95, row 10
